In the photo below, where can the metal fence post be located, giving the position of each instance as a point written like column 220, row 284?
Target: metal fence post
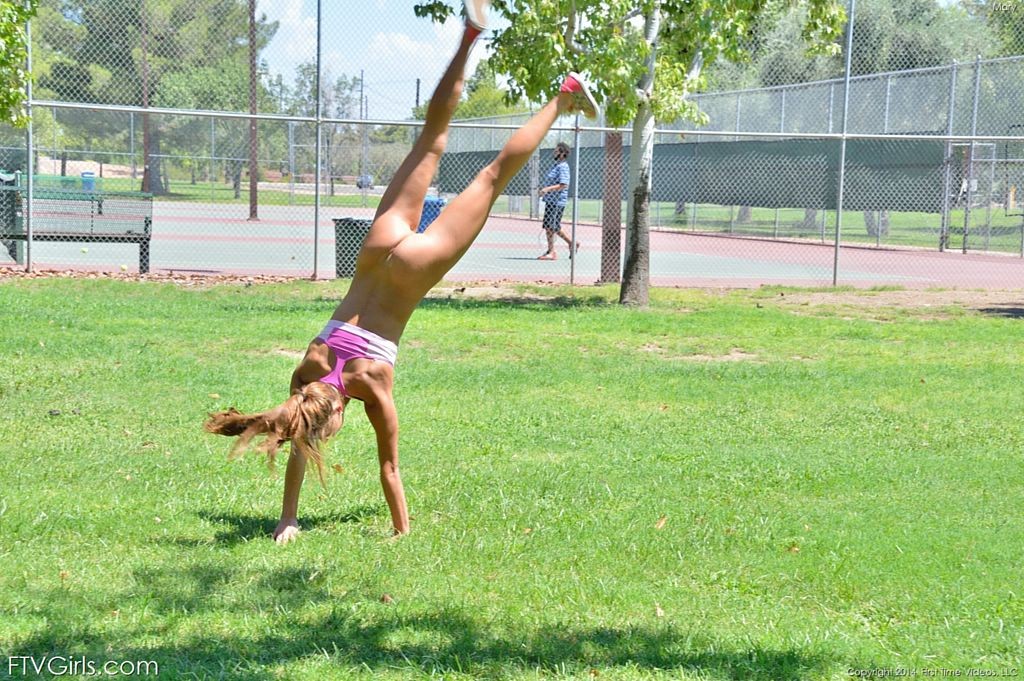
column 842, row 142
column 888, row 95
column 782, row 128
column 831, row 100
column 970, row 153
column 885, row 131
column 732, row 209
column 319, row 151
column 988, row 201
column 947, row 179
column 30, row 144
column 575, row 200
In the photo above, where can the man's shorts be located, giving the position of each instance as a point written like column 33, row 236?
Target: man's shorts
column 553, row 217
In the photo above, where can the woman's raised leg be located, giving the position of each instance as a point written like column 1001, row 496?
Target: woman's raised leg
column 403, row 199
column 459, row 223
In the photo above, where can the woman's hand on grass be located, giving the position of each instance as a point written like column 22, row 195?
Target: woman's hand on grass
column 287, row 530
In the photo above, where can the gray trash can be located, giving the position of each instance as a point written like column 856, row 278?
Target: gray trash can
column 349, row 234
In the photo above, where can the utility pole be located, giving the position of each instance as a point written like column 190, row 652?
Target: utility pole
column 253, row 124
column 362, row 117
column 364, row 160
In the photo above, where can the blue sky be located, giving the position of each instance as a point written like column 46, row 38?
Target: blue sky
column 383, row 37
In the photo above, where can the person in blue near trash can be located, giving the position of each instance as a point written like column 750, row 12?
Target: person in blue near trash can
column 555, row 195
column 354, row 355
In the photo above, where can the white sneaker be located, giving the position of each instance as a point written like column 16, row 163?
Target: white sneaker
column 582, row 99
column 476, row 13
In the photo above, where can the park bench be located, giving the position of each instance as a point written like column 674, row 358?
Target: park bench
column 74, row 215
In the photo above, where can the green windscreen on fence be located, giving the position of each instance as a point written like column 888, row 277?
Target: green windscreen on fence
column 899, row 175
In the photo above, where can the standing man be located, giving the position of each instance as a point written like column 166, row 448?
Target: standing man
column 555, row 195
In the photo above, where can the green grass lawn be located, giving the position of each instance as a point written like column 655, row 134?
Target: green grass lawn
column 722, row 486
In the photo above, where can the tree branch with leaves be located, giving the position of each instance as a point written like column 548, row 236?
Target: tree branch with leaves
column 645, row 58
column 14, row 18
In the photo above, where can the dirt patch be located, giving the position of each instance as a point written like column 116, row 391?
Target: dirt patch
column 734, row 355
column 483, row 291
column 925, row 305
column 293, row 354
column 178, row 278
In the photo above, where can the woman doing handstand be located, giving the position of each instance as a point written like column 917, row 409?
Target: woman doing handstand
column 354, row 356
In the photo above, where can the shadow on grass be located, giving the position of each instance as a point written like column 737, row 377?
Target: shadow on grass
column 1009, row 311
column 248, row 527
column 381, row 639
column 245, row 528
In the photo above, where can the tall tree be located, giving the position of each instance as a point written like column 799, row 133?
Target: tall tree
column 143, row 52
column 13, row 76
column 1005, row 18
column 646, row 56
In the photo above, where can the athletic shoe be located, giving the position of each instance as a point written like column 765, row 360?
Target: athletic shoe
column 582, row 100
column 476, row 13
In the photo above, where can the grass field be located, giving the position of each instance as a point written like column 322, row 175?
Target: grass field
column 723, row 486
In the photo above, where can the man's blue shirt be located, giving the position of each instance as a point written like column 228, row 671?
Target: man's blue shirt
column 559, row 174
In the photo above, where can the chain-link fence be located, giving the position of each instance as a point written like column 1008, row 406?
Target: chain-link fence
column 160, row 141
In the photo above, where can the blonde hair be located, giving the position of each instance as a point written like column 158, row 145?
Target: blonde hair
column 306, row 419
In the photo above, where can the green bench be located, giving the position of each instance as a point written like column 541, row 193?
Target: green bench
column 74, row 216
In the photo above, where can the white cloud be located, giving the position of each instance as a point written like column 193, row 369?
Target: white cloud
column 399, row 56
column 296, row 33
column 392, row 47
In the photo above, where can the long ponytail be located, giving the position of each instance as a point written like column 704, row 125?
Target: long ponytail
column 306, row 419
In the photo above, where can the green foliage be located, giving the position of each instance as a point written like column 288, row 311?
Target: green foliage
column 544, row 40
column 894, row 35
column 889, row 35
column 1006, row 20
column 13, row 53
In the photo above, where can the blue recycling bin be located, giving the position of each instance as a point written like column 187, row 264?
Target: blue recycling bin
column 88, row 182
column 432, row 206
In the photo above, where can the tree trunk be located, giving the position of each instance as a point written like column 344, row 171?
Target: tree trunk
column 743, row 215
column 611, row 212
column 877, row 223
column 810, row 219
column 636, row 274
column 637, row 268
column 151, row 176
column 236, row 178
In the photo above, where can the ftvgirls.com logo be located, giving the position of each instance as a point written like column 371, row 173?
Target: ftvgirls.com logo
column 61, row 665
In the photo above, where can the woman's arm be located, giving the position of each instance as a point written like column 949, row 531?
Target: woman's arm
column 288, row 527
column 384, row 419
